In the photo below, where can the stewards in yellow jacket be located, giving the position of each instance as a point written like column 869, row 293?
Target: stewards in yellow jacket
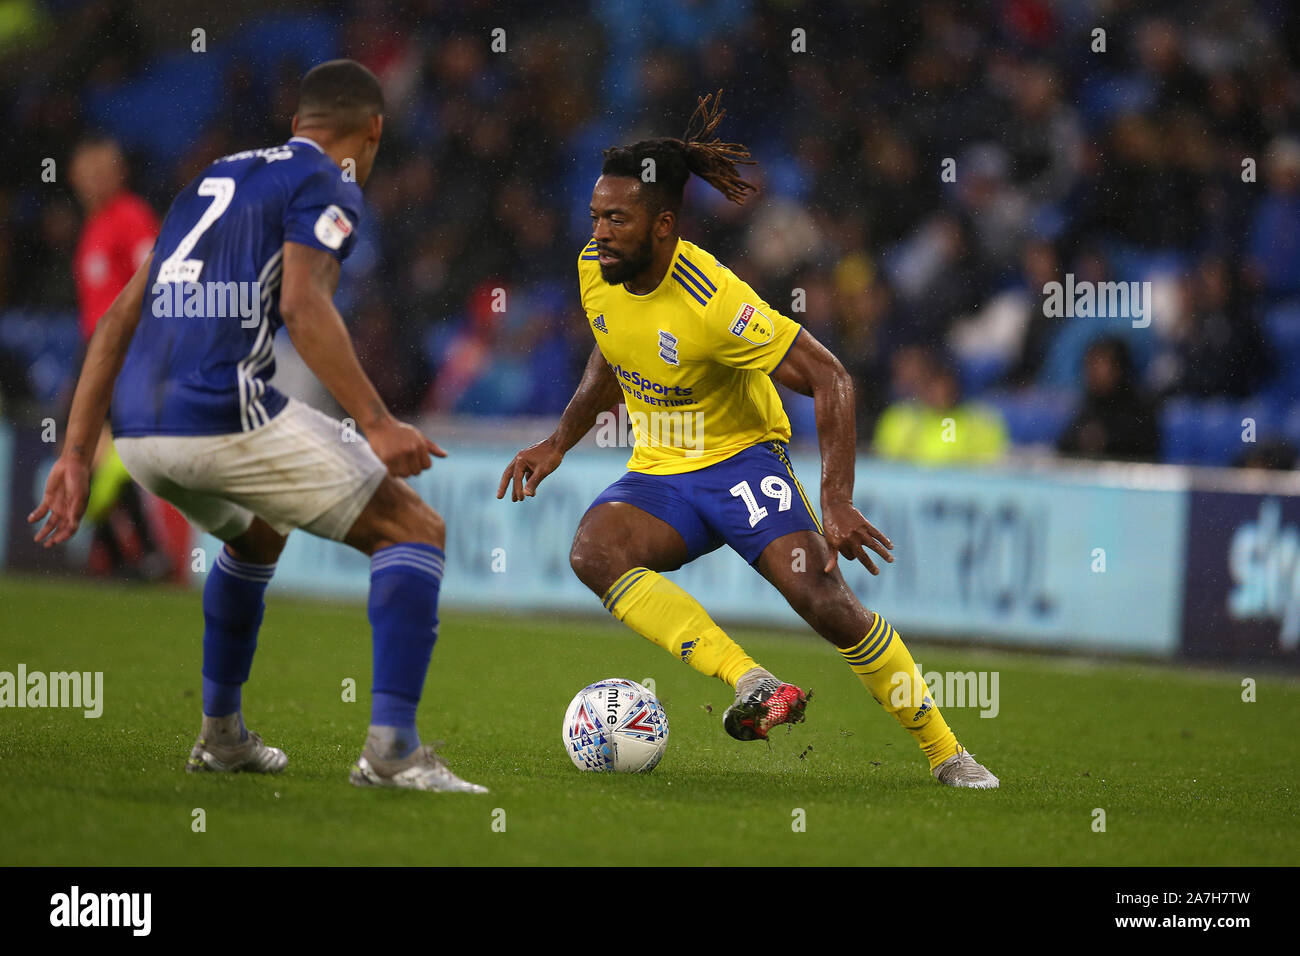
column 937, row 428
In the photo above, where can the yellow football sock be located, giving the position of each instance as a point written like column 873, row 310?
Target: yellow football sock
column 662, row 612
column 106, row 484
column 883, row 663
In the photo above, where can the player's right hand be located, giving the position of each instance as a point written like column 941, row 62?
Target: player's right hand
column 402, row 448
column 850, row 534
column 531, row 465
column 66, row 491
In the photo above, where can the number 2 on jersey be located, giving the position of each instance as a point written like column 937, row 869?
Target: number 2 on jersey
column 176, row 268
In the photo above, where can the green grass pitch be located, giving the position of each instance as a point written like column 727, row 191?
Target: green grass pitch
column 1186, row 772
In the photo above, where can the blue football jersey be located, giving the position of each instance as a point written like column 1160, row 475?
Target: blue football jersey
column 202, row 354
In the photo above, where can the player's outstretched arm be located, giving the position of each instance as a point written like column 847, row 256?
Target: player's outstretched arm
column 597, row 392
column 307, row 306
column 68, row 485
column 810, row 369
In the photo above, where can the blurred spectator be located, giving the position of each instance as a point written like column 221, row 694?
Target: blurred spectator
column 1164, row 68
column 396, row 372
column 1111, row 315
column 865, row 335
column 938, row 274
column 119, row 229
column 1115, row 420
column 1275, row 234
column 1012, row 328
column 998, row 211
column 1273, row 455
column 1044, row 138
column 115, row 241
column 1142, row 194
column 1216, row 348
column 937, row 427
column 468, row 356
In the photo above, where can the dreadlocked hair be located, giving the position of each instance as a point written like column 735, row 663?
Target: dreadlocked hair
column 675, row 159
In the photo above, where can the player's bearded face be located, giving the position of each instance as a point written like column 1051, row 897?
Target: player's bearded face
column 628, row 263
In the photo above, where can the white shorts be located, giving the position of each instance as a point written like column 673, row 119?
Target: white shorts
column 300, row 470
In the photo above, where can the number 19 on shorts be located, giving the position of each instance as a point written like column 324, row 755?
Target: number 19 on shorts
column 773, row 487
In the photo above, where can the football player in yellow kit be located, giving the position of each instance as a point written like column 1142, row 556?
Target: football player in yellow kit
column 692, row 350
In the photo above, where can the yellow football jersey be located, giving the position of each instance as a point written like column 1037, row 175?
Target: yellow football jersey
column 693, row 357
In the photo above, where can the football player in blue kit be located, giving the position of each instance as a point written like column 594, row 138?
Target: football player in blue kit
column 254, row 243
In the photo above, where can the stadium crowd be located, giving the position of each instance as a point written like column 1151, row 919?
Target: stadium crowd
column 921, row 183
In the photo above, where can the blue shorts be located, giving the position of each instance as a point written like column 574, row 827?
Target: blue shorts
column 747, row 501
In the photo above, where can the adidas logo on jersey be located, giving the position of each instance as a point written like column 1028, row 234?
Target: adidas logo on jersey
column 600, row 323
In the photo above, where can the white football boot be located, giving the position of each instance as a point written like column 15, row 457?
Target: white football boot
column 962, row 770
column 421, row 770
column 218, row 750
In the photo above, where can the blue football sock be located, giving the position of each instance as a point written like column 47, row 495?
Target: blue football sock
column 232, row 615
column 403, row 608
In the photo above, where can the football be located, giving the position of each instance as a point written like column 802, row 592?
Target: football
column 615, row 726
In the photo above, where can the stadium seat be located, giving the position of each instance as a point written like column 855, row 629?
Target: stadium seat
column 1282, row 330
column 176, row 98
column 978, row 372
column 289, row 37
column 1180, row 432
column 1106, row 95
column 1290, row 429
column 1211, row 432
column 1132, row 263
column 1035, row 416
column 47, row 343
column 173, row 101
column 803, row 419
column 1220, row 433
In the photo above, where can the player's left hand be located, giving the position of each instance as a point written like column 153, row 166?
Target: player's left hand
column 66, row 491
column 850, row 534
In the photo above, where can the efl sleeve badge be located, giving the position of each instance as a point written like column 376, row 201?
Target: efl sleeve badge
column 752, row 326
